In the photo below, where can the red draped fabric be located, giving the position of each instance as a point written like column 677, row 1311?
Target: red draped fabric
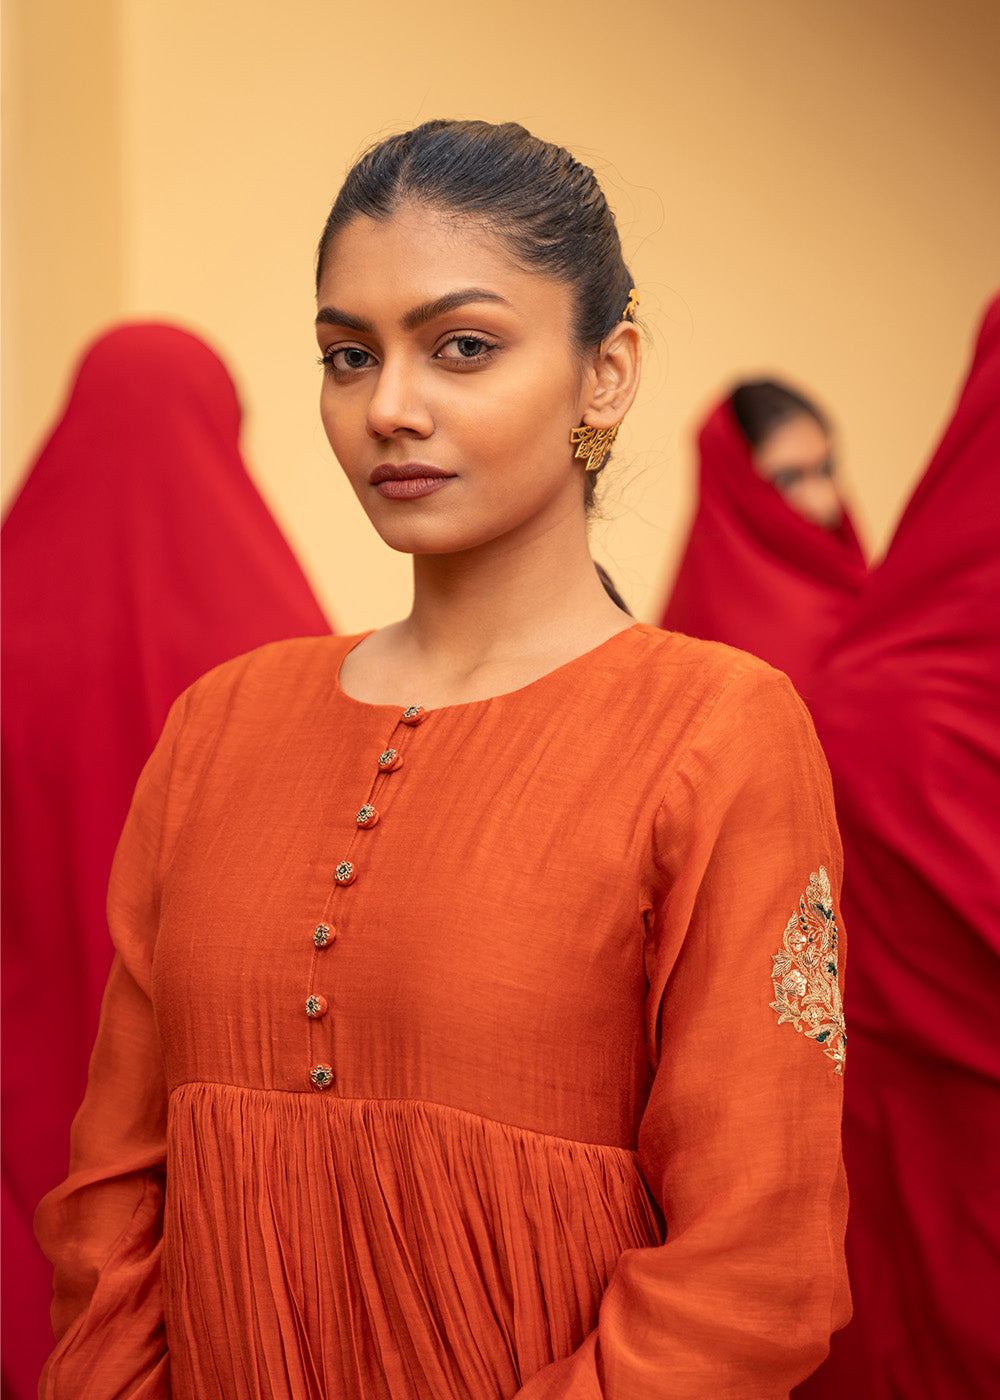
column 908, row 709
column 755, row 573
column 138, row 555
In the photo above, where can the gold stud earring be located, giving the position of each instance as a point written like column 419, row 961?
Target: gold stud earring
column 593, row 445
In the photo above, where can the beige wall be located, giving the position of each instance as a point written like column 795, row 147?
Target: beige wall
column 63, row 210
column 809, row 189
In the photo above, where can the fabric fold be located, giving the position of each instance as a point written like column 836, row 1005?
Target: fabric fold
column 397, row 1226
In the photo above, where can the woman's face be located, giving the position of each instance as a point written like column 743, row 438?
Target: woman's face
column 796, row 458
column 450, row 383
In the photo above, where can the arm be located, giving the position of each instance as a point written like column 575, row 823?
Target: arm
column 740, row 1139
column 102, row 1227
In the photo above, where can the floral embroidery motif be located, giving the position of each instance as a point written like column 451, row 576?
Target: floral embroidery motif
column 806, row 989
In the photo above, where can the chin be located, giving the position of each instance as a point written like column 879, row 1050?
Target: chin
column 413, row 539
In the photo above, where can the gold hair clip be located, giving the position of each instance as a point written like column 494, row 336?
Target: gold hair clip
column 632, row 306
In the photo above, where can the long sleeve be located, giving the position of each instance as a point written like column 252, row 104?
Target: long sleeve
column 102, row 1228
column 740, row 1139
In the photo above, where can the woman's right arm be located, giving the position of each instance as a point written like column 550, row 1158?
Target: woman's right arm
column 102, row 1228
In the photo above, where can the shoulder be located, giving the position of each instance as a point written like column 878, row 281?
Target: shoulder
column 735, row 719
column 252, row 698
column 271, row 677
column 696, row 680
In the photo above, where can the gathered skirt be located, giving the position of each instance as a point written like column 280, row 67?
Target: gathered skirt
column 332, row 1249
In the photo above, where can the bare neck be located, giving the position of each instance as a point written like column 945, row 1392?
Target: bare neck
column 487, row 622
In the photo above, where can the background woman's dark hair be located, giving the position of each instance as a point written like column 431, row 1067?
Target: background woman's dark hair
column 547, row 207
column 761, row 405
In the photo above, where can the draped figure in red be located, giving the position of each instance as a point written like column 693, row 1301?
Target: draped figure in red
column 772, row 563
column 908, row 710
column 137, row 555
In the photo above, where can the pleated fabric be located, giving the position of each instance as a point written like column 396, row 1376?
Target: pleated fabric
column 448, row 1055
column 430, row 1238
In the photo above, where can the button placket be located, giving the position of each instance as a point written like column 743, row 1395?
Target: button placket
column 390, row 760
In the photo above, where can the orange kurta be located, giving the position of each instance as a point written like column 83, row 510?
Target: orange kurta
column 546, row 1133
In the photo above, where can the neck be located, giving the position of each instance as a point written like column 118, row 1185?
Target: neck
column 509, row 603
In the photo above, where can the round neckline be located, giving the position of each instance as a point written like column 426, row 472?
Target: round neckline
column 397, row 707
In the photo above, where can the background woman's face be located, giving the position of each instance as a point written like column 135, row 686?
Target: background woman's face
column 796, row 458
column 440, row 353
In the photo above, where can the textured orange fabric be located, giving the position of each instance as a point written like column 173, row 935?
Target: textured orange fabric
column 568, row 1150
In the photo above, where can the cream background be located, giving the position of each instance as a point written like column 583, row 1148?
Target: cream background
column 805, row 188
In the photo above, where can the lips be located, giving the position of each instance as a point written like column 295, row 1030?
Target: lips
column 409, row 471
column 410, row 481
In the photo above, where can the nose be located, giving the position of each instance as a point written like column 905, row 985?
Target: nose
column 398, row 406
column 816, row 498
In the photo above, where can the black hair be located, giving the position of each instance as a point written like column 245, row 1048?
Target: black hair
column 547, row 207
column 761, row 405
column 609, row 587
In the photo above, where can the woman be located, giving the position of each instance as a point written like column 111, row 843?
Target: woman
column 908, row 707
column 476, row 1000
column 772, row 563
column 137, row 555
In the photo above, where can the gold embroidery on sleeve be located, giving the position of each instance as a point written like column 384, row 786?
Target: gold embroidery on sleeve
column 806, row 989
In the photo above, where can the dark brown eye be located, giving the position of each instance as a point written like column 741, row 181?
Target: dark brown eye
column 786, row 480
column 346, row 359
column 466, row 350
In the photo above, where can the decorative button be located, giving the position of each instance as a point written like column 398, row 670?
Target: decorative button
column 322, row 935
column 413, row 714
column 344, row 873
column 321, row 1076
column 316, row 1006
column 367, row 815
column 389, row 760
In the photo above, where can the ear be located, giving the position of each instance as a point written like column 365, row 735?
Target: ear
column 614, row 377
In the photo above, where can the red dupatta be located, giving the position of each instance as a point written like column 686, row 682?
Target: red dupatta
column 908, row 709
column 138, row 555
column 755, row 573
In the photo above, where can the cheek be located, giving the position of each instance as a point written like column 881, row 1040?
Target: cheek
column 340, row 422
column 536, row 416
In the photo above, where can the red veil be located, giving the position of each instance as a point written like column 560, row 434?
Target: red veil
column 909, row 713
column 755, row 573
column 138, row 555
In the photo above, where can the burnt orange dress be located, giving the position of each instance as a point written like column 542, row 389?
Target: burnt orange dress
column 479, row 1052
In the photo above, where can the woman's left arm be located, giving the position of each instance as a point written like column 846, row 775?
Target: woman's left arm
column 740, row 1139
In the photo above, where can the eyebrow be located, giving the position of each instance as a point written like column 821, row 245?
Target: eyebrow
column 419, row 316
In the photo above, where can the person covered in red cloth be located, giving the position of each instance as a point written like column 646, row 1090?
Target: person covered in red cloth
column 772, row 562
column 908, row 710
column 137, row 555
